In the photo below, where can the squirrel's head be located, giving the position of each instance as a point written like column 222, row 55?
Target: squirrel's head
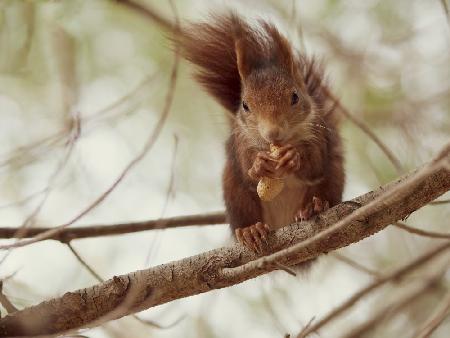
column 275, row 105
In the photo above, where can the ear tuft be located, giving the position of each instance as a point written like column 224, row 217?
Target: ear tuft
column 244, row 58
column 249, row 49
column 281, row 49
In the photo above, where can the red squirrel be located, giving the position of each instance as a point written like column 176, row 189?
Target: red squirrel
column 276, row 95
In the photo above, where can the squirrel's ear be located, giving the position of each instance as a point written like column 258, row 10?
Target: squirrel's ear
column 244, row 58
column 283, row 51
column 285, row 55
column 280, row 48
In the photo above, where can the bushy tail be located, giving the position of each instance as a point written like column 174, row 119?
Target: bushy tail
column 211, row 46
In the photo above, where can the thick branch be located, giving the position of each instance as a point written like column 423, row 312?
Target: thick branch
column 144, row 289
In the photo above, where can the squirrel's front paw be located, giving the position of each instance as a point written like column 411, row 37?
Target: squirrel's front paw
column 288, row 160
column 263, row 166
column 311, row 209
column 253, row 237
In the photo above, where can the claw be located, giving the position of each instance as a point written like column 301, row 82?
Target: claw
column 253, row 237
column 262, row 229
column 311, row 209
column 289, row 160
column 249, row 242
column 286, row 158
column 264, row 165
column 239, row 235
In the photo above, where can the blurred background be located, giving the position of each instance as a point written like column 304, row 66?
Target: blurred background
column 82, row 86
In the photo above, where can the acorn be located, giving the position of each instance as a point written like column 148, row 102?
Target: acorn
column 269, row 188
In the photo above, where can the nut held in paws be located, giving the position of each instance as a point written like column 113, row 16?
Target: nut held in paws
column 268, row 188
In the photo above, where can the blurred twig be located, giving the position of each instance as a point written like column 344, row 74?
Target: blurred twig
column 5, row 301
column 146, row 148
column 26, row 151
column 169, row 193
column 355, row 265
column 46, row 192
column 439, row 202
column 151, row 14
column 420, row 232
column 24, row 200
column 441, row 312
column 43, row 145
column 445, row 7
column 170, row 186
column 62, row 44
column 366, row 129
column 110, row 107
column 393, row 309
column 276, row 318
column 395, row 275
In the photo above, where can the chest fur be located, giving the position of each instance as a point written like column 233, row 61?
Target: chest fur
column 281, row 210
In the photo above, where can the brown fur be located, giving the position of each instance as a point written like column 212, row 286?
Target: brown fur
column 236, row 63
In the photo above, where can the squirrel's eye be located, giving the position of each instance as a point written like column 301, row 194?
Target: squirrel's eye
column 244, row 105
column 294, row 99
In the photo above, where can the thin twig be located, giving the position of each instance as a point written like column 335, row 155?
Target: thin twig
column 265, row 299
column 169, row 193
column 25, row 151
column 393, row 309
column 170, row 186
column 439, row 202
column 9, row 307
column 285, row 268
column 395, row 275
column 355, row 265
column 84, row 263
column 148, row 145
column 441, row 312
column 119, row 102
column 24, row 200
column 151, row 14
column 366, row 129
column 420, row 232
column 62, row 44
column 445, row 7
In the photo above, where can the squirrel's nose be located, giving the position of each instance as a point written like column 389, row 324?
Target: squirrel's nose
column 273, row 134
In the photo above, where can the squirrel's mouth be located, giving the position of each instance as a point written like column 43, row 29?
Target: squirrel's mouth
column 265, row 143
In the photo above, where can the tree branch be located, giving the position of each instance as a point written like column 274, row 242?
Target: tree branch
column 65, row 235
column 136, row 291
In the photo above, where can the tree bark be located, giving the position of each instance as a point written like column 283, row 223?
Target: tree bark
column 140, row 290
